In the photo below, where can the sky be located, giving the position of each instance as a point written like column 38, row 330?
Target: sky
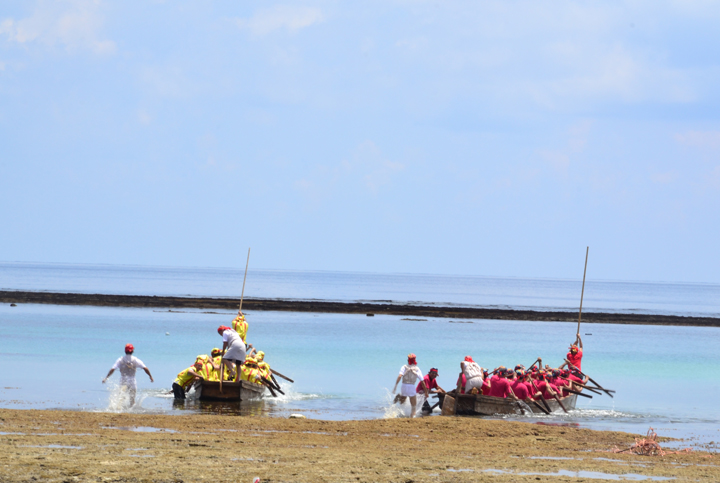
column 492, row 138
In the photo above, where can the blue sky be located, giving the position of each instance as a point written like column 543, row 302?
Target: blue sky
column 483, row 138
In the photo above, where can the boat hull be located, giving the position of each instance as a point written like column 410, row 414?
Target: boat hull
column 479, row 405
column 231, row 391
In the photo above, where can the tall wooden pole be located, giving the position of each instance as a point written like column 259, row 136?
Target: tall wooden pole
column 244, row 278
column 582, row 294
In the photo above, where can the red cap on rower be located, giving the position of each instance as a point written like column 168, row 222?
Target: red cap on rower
column 129, row 349
column 222, row 329
column 468, row 359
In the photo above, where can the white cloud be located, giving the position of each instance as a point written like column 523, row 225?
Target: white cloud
column 699, row 139
column 74, row 24
column 281, row 17
column 366, row 168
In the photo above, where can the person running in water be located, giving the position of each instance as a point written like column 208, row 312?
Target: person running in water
column 127, row 365
column 410, row 373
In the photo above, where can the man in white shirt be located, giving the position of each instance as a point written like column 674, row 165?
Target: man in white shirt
column 409, row 374
column 127, row 365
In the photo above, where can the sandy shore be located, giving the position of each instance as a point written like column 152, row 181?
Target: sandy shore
column 320, row 306
column 81, row 446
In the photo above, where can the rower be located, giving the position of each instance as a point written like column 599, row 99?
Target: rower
column 216, row 355
column 501, row 387
column 208, row 366
column 262, row 365
column 250, row 371
column 520, row 387
column 185, row 379
column 544, row 387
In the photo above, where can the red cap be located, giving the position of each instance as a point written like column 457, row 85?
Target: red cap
column 129, row 349
column 222, row 329
column 468, row 359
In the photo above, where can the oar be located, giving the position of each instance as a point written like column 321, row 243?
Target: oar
column 581, row 385
column 531, row 365
column 577, row 392
column 278, row 374
column 242, row 294
column 607, row 391
column 541, row 397
column 560, row 403
column 540, row 407
column 273, row 379
column 269, row 384
column 262, row 381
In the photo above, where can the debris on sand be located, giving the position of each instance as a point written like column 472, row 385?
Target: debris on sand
column 648, row 446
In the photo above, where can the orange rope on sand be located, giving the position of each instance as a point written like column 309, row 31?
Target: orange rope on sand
column 649, row 446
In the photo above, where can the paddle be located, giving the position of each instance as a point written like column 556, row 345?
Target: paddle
column 269, row 384
column 559, row 402
column 577, row 392
column 541, row 397
column 280, row 375
column 581, row 385
column 607, row 391
column 273, row 379
column 540, row 407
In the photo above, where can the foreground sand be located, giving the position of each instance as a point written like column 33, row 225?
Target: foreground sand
column 81, row 446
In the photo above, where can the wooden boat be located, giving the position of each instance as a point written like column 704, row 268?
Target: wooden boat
column 479, row 405
column 232, row 391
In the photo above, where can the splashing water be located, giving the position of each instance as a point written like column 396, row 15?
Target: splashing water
column 393, row 410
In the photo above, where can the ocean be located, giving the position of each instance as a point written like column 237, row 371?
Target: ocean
column 345, row 365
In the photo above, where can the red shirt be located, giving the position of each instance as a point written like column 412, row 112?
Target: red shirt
column 485, row 388
column 429, row 384
column 542, row 387
column 575, row 359
column 500, row 388
column 521, row 390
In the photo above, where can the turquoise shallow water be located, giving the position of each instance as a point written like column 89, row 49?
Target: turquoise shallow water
column 345, row 365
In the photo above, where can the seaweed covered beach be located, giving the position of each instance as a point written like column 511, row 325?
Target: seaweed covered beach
column 85, row 446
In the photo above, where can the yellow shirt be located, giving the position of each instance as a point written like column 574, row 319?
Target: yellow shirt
column 250, row 374
column 214, row 373
column 240, row 326
column 184, row 379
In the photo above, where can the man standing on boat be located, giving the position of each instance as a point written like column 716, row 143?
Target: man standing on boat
column 127, row 365
column 473, row 374
column 576, row 353
column 233, row 350
column 410, row 373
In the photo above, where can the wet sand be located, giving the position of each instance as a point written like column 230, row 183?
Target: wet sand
column 319, row 306
column 81, row 446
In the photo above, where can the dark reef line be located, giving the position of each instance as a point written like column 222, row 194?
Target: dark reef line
column 320, row 306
